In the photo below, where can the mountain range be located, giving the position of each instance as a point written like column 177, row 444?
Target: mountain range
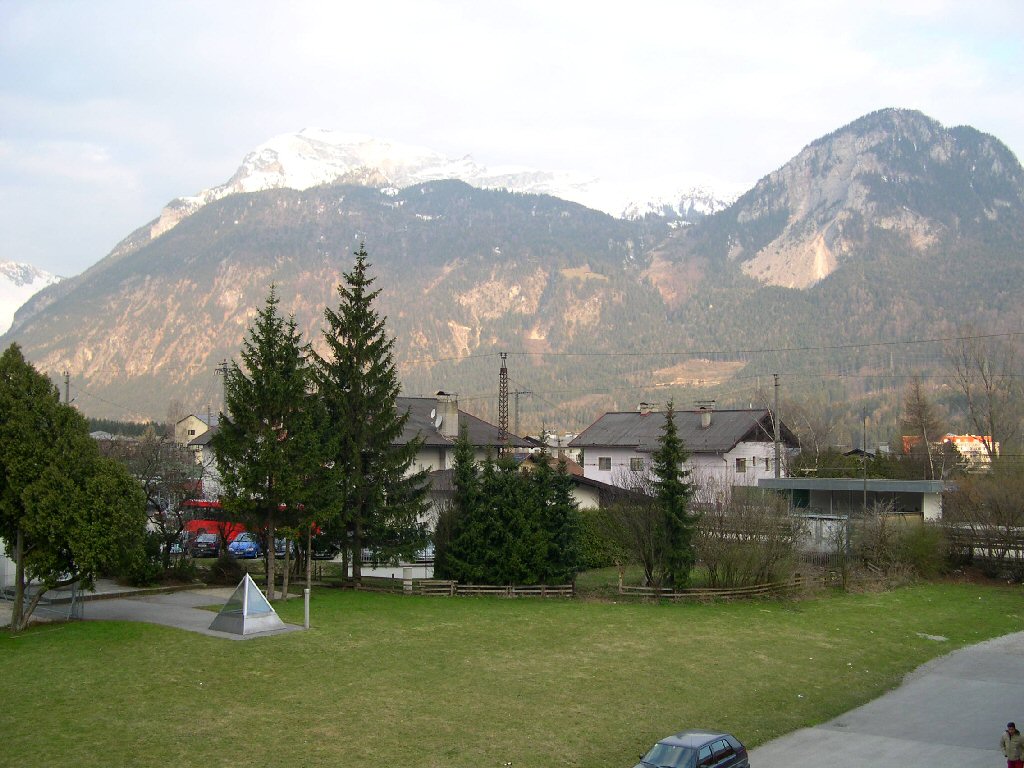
column 893, row 227
column 314, row 157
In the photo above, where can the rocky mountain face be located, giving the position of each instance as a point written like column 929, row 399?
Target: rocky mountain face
column 891, row 173
column 18, row 283
column 871, row 233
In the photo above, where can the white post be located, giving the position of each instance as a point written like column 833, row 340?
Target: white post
column 305, row 596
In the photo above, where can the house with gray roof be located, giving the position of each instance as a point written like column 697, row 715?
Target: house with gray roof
column 438, row 421
column 728, row 447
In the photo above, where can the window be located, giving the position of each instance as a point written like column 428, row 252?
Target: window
column 704, row 757
column 722, row 750
column 741, row 466
column 636, row 464
column 191, row 433
column 604, row 463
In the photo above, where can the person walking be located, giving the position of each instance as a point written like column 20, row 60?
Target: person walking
column 1013, row 746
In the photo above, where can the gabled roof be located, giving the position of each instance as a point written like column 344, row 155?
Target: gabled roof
column 443, row 481
column 641, row 431
column 205, row 438
column 209, row 419
column 571, row 466
column 421, row 422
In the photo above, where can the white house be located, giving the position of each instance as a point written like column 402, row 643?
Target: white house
column 727, row 448
column 438, row 421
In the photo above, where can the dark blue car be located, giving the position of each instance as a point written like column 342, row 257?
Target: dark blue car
column 697, row 749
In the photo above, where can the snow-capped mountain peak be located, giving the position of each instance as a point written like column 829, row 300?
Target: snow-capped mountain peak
column 18, row 283
column 315, row 156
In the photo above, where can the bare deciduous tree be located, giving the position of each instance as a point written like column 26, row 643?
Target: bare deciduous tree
column 814, row 423
column 635, row 521
column 168, row 475
column 984, row 517
column 748, row 540
column 987, row 372
column 921, row 419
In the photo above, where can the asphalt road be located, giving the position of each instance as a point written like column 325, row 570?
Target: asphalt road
column 948, row 713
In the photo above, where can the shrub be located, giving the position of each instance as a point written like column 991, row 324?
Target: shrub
column 226, row 570
column 745, row 541
column 183, row 569
column 598, row 549
column 141, row 565
column 924, row 548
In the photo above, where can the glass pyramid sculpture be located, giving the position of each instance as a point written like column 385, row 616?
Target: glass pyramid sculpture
column 247, row 611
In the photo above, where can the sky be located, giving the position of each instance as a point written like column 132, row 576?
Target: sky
column 110, row 109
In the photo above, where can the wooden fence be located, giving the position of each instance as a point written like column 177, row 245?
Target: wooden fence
column 791, row 586
column 439, row 587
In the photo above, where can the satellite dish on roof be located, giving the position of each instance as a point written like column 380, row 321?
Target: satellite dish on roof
column 433, row 413
column 437, row 422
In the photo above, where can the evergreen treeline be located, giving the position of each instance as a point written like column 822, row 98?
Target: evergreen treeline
column 506, row 525
column 124, row 428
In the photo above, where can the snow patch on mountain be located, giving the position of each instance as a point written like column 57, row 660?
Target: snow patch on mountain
column 18, row 283
column 690, row 205
column 316, row 156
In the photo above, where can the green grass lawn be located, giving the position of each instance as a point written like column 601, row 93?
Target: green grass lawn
column 384, row 680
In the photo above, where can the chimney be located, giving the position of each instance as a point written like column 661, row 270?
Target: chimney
column 705, row 417
column 645, row 408
column 447, row 419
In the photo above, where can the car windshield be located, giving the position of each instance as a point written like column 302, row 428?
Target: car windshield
column 206, row 537
column 245, row 537
column 669, row 756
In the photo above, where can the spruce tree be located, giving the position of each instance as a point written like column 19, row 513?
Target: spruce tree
column 263, row 440
column 516, row 552
column 367, row 463
column 673, row 493
column 562, row 528
column 459, row 538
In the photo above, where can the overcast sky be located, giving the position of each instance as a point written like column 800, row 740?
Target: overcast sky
column 110, row 109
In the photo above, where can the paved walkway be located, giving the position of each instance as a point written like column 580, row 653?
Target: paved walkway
column 948, row 713
column 182, row 609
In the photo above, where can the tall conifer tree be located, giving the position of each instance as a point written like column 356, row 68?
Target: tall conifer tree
column 263, row 441
column 367, row 460
column 459, row 538
column 561, row 524
column 673, row 493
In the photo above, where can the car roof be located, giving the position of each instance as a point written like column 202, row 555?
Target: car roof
column 693, row 738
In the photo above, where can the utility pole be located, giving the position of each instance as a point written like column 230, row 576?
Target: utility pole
column 67, row 388
column 503, row 403
column 222, row 370
column 515, row 422
column 864, row 458
column 775, row 423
